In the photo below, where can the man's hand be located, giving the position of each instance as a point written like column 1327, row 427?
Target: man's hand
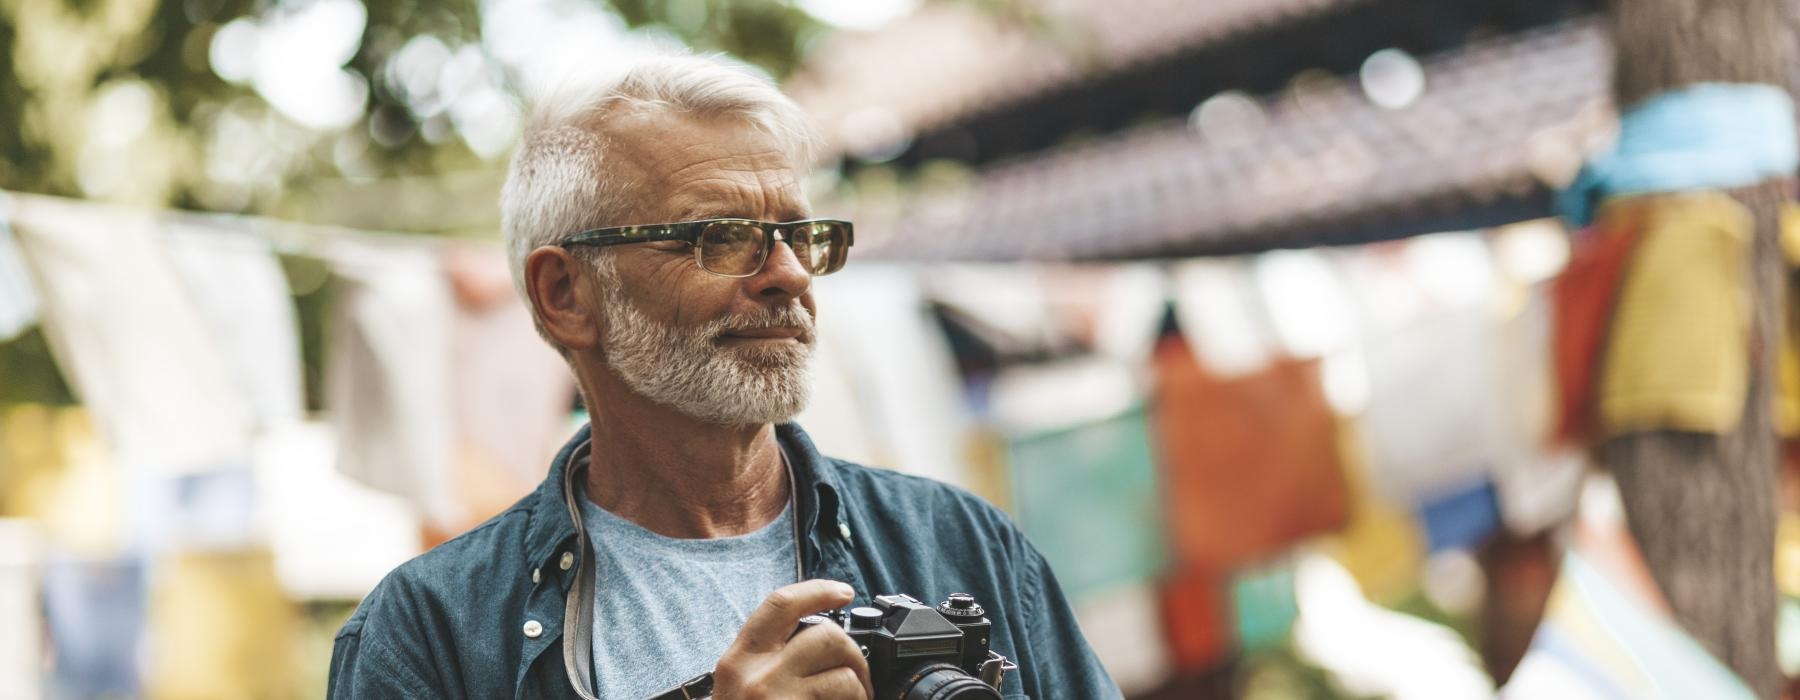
column 820, row 662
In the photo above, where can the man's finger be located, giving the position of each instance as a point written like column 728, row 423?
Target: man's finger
column 836, row 684
column 821, row 649
column 836, row 652
column 772, row 622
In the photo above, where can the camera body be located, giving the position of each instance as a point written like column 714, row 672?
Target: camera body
column 918, row 652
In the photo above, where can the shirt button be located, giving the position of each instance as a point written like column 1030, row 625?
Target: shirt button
column 568, row 560
column 844, row 529
column 533, row 629
column 536, row 574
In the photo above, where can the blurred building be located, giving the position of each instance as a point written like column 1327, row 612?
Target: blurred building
column 1150, row 128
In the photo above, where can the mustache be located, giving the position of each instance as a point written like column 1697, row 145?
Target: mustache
column 790, row 316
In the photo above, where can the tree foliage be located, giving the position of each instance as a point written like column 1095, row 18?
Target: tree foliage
column 167, row 45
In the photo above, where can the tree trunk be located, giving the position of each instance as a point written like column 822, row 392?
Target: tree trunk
column 1703, row 508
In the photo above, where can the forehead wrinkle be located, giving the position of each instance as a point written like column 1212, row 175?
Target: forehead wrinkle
column 748, row 163
column 673, row 152
column 791, row 204
column 673, row 197
column 757, row 194
column 718, row 196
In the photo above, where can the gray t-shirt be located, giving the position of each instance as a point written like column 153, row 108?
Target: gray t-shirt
column 666, row 608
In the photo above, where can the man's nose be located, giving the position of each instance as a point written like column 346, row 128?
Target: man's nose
column 783, row 276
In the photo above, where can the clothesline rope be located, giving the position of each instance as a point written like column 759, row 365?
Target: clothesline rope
column 284, row 237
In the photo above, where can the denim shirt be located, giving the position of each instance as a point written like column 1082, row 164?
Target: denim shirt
column 505, row 610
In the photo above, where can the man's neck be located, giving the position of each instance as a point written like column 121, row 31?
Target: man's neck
column 677, row 476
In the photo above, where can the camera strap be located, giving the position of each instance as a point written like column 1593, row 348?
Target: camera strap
column 691, row 689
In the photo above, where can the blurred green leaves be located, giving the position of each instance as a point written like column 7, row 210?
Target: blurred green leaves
column 27, row 373
column 771, row 34
column 58, row 58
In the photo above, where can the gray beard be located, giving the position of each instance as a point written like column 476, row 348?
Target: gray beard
column 687, row 370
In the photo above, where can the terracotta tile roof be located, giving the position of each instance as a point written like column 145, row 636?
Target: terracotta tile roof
column 948, row 60
column 1496, row 121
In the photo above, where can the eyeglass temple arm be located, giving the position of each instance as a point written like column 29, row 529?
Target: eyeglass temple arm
column 630, row 234
column 686, row 232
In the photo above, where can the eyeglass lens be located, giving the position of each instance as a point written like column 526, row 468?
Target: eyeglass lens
column 732, row 248
column 738, row 248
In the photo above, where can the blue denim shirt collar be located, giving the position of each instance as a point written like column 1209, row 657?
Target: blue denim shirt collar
column 816, row 501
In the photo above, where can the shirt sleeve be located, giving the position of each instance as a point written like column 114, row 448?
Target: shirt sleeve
column 368, row 662
column 1060, row 664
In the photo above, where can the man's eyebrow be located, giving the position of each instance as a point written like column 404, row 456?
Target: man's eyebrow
column 702, row 213
column 705, row 213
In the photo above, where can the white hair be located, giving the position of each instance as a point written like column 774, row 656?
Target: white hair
column 558, row 183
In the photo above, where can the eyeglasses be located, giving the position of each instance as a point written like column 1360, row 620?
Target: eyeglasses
column 739, row 247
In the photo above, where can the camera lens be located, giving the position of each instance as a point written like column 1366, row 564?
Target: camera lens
column 946, row 682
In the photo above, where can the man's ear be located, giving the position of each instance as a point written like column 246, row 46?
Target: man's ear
column 552, row 280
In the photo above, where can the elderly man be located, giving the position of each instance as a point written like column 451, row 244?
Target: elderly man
column 680, row 538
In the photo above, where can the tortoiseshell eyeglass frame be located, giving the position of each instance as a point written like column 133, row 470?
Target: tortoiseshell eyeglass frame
column 690, row 232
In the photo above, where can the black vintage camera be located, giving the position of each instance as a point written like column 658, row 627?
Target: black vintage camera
column 917, row 652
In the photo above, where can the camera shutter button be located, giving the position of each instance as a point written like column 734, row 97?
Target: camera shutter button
column 960, row 605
